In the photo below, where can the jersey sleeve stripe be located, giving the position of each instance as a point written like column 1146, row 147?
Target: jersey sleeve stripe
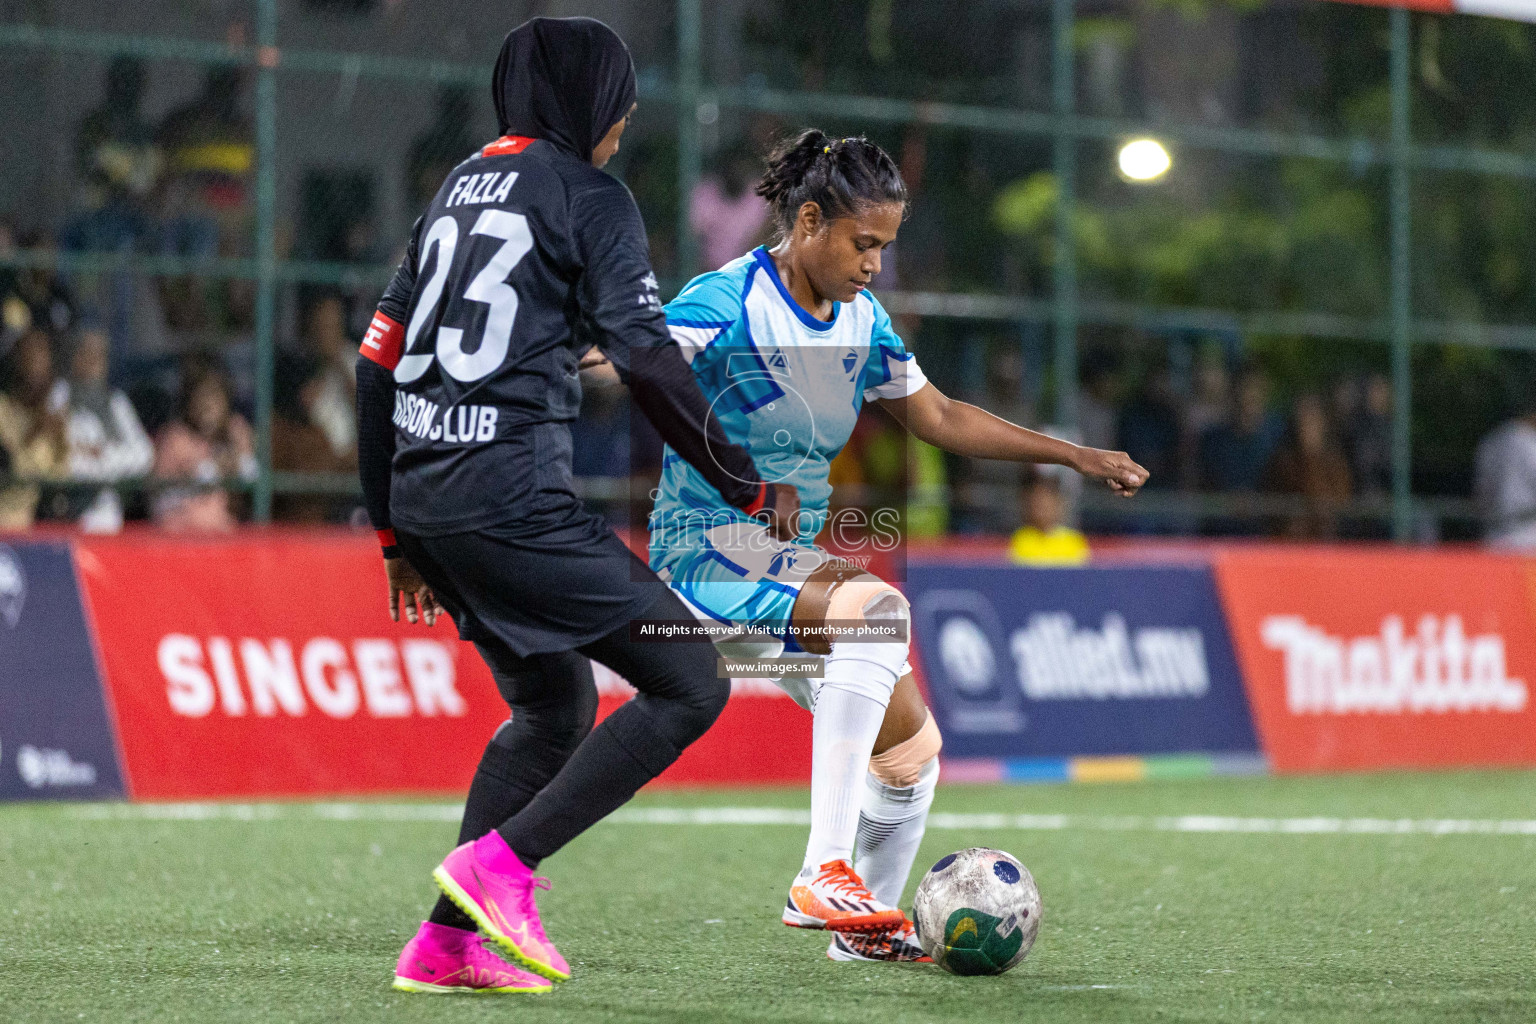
column 385, row 341
column 694, row 339
column 685, row 322
column 906, row 379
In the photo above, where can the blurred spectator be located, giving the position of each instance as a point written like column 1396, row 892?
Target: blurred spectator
column 9, row 331
column 337, row 211
column 649, row 168
column 612, row 443
column 988, row 484
column 845, row 474
column 600, row 435
column 300, row 444
column 1149, row 428
column 1098, row 401
column 902, row 473
column 119, row 166
column 34, row 296
column 337, row 222
column 1045, row 539
column 849, row 471
column 927, row 512
column 442, row 147
column 1209, row 404
column 208, row 442
column 1310, row 462
column 32, row 428
column 1211, row 399
column 117, row 163
column 1366, row 423
column 725, row 213
column 1505, row 481
column 107, row 443
column 1007, row 392
column 333, row 408
column 1235, row 452
column 210, row 157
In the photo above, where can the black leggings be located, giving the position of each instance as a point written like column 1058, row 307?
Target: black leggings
column 546, row 775
column 554, row 703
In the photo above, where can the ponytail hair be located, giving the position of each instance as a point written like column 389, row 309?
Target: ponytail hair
column 842, row 176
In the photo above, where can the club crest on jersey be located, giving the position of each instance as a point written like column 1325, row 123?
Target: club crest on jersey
column 776, row 360
column 850, row 362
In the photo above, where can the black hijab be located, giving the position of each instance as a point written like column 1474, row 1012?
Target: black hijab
column 564, row 80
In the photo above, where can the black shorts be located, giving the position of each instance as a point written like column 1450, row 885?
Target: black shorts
column 536, row 596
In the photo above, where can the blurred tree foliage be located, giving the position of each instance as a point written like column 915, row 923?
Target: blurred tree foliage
column 1225, row 231
column 1316, row 247
column 1312, row 236
column 983, row 51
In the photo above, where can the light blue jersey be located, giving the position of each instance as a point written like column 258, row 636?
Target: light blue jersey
column 788, row 388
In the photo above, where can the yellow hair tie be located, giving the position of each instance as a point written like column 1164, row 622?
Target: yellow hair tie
column 826, row 149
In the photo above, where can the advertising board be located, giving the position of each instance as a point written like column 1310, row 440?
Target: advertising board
column 56, row 739
column 1361, row 658
column 1065, row 662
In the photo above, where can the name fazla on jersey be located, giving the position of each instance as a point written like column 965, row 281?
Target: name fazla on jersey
column 490, row 187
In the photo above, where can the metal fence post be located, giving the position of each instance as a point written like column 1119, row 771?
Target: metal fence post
column 266, row 266
column 1064, row 309
column 689, row 159
column 1402, row 284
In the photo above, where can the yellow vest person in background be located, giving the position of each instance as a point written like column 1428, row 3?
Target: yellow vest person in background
column 1045, row 539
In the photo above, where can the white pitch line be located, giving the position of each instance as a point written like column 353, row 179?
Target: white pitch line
column 1189, row 823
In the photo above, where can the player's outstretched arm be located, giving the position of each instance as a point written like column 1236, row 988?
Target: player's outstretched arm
column 962, row 428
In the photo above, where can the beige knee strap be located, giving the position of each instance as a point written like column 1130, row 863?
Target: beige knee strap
column 902, row 765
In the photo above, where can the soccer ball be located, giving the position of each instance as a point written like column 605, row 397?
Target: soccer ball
column 977, row 912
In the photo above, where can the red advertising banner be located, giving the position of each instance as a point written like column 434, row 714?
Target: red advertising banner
column 267, row 665
column 1360, row 659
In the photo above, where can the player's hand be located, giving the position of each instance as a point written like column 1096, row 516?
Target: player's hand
column 1116, row 469
column 592, row 358
column 779, row 512
column 408, row 589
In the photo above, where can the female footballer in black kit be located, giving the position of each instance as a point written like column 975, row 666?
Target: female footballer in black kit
column 467, row 384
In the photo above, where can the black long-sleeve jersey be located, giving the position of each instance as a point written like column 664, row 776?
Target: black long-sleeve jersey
column 468, row 375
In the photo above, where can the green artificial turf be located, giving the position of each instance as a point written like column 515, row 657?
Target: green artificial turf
column 295, row 917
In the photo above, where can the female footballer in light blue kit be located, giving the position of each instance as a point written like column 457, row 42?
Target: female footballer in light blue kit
column 788, row 344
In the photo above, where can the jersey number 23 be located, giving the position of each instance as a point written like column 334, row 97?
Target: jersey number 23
column 489, row 286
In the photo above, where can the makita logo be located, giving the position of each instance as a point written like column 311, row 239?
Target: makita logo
column 388, row 679
column 1438, row 668
column 1058, row 660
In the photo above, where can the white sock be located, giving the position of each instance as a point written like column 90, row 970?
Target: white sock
column 850, row 705
column 843, row 734
column 891, row 826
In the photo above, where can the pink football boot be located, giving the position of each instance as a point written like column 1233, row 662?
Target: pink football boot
column 489, row 883
column 443, row 959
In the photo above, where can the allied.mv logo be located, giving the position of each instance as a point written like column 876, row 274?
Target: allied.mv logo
column 967, row 655
column 13, row 587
